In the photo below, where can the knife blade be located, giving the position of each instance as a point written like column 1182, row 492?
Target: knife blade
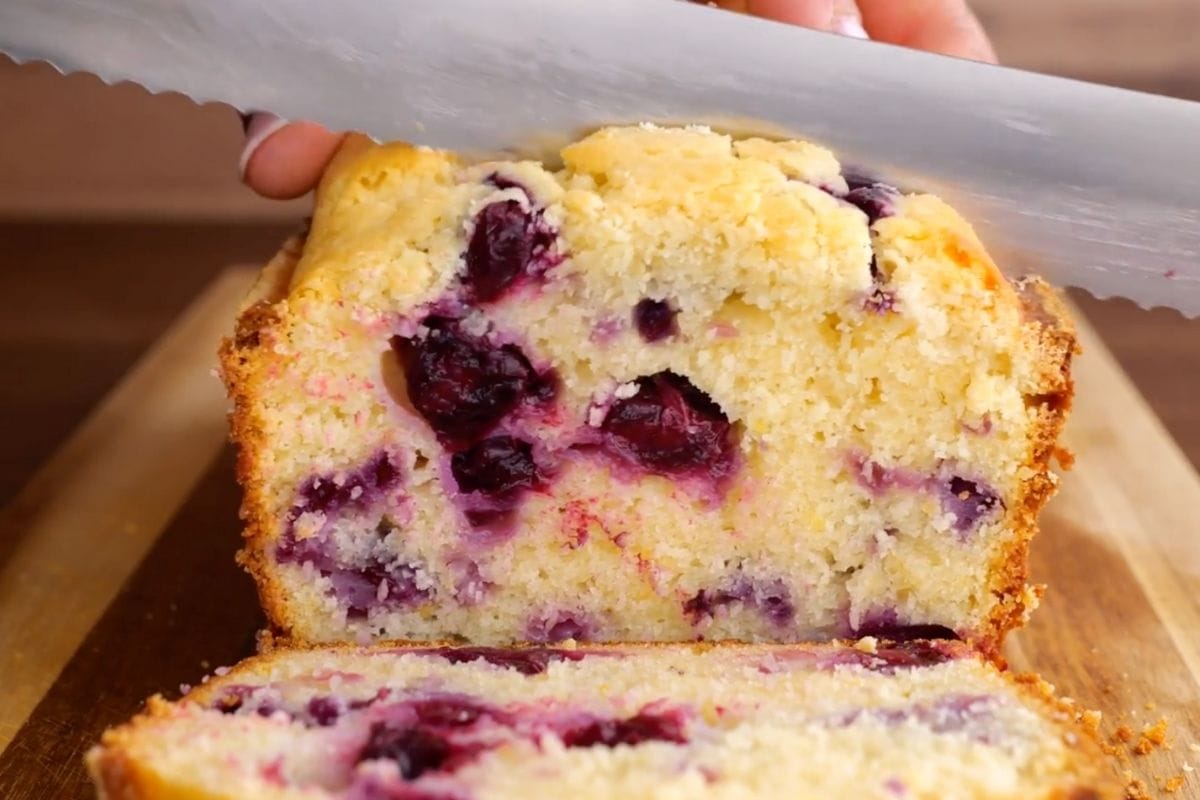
column 1089, row 186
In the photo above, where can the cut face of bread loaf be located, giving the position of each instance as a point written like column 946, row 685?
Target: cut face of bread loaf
column 678, row 387
column 883, row 720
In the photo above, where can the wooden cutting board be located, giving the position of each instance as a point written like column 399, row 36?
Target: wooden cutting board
column 118, row 579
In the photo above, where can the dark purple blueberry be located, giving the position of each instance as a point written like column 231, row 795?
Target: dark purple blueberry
column 645, row 726
column 506, row 243
column 324, row 711
column 670, row 427
column 461, row 384
column 969, row 502
column 527, row 661
column 655, row 319
column 876, row 201
column 415, row 750
column 500, row 465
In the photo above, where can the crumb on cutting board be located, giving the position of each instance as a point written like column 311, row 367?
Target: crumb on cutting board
column 1152, row 737
column 1135, row 788
column 1173, row 785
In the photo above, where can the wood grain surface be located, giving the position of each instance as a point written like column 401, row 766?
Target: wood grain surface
column 1119, row 629
column 89, row 515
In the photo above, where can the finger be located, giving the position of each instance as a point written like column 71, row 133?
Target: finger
column 847, row 20
column 839, row 16
column 809, row 13
column 282, row 160
column 939, row 26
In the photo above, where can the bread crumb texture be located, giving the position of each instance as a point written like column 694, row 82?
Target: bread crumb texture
column 678, row 387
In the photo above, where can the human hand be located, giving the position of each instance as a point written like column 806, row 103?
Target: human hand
column 282, row 160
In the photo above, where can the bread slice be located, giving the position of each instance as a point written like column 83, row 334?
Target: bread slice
column 910, row 720
column 678, row 387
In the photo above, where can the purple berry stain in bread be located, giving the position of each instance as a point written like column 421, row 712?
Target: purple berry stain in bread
column 667, row 426
column 772, row 599
column 915, row 652
column 886, row 624
column 324, row 711
column 429, row 734
column 440, row 734
column 415, row 751
column 655, row 320
column 362, row 587
column 462, row 385
column 969, row 501
column 509, row 242
column 645, row 726
column 972, row 715
column 368, row 580
column 448, row 712
column 327, row 494
column 527, row 661
column 559, row 627
column 878, row 479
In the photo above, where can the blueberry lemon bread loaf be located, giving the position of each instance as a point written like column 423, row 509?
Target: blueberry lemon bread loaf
column 677, row 387
column 905, row 721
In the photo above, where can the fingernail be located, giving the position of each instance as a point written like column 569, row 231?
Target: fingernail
column 846, row 20
column 258, row 130
column 850, row 26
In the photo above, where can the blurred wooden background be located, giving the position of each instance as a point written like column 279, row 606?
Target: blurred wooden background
column 117, row 206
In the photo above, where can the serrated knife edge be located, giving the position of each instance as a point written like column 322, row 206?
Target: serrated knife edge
column 1089, row 185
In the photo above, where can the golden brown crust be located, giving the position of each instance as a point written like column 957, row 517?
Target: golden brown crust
column 240, row 368
column 1081, row 733
column 1050, row 321
column 117, row 771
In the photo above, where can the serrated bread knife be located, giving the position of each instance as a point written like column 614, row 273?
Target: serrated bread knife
column 1089, row 186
